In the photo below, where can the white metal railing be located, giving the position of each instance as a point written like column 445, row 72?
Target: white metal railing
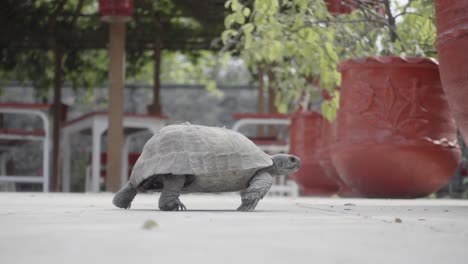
column 36, row 110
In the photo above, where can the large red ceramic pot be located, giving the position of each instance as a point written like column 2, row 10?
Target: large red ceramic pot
column 338, row 7
column 305, row 136
column 325, row 150
column 395, row 135
column 452, row 47
column 112, row 11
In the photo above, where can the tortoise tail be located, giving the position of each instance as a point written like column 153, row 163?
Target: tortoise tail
column 124, row 197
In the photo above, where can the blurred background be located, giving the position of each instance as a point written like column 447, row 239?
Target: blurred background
column 85, row 83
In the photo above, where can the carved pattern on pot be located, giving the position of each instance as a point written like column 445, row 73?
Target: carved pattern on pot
column 397, row 110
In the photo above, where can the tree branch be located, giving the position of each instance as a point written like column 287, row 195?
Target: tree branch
column 231, row 42
column 391, row 21
column 79, row 6
column 53, row 18
column 405, row 9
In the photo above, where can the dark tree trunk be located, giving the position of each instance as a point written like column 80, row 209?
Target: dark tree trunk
column 391, row 21
column 271, row 92
column 261, row 99
column 272, row 109
column 155, row 107
column 55, row 180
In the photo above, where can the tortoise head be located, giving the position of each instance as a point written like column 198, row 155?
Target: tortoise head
column 286, row 164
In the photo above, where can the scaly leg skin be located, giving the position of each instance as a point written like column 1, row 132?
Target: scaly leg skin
column 258, row 187
column 124, row 198
column 169, row 199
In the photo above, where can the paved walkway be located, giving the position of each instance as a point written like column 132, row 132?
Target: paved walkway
column 86, row 228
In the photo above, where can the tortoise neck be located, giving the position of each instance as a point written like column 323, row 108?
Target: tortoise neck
column 272, row 170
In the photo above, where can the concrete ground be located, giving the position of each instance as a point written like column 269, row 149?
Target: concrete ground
column 86, row 228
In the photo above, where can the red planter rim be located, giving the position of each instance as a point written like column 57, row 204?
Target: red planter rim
column 386, row 61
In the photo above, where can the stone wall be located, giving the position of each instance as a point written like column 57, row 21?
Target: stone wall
column 180, row 102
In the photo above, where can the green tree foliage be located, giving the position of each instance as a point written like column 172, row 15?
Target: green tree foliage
column 201, row 67
column 417, row 31
column 402, row 28
column 81, row 68
column 61, row 24
column 289, row 36
column 302, row 42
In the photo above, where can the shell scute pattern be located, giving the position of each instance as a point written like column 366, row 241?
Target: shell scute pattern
column 198, row 150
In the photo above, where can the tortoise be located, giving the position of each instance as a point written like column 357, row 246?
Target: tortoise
column 187, row 158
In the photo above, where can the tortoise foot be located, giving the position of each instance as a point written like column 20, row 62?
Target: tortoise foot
column 249, row 204
column 175, row 205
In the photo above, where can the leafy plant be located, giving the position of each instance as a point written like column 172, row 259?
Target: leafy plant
column 301, row 42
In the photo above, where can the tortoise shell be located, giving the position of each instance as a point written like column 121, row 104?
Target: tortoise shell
column 219, row 159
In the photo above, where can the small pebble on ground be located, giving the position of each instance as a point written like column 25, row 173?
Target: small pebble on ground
column 150, row 224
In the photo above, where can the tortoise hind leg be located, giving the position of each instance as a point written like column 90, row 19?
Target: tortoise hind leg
column 259, row 185
column 124, row 198
column 169, row 199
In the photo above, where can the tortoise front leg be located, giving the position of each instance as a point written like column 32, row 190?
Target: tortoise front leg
column 258, row 187
column 169, row 199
